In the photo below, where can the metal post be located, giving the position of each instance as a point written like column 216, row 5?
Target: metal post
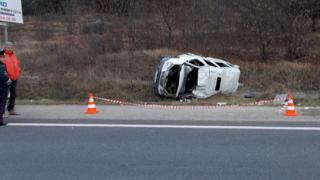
column 5, row 26
column 6, row 34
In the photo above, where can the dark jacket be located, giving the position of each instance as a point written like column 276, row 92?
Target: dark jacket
column 3, row 76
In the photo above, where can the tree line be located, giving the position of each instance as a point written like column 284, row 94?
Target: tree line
column 270, row 23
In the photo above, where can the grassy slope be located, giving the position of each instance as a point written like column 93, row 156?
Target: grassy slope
column 64, row 67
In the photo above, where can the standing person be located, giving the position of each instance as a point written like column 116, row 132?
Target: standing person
column 4, row 86
column 13, row 68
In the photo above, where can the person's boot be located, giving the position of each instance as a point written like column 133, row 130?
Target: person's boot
column 13, row 113
column 2, row 123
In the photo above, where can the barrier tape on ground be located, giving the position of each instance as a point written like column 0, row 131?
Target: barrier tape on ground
column 259, row 103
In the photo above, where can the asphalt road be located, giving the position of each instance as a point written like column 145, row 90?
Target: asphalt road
column 41, row 152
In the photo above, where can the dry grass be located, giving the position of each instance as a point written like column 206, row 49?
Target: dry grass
column 280, row 76
column 63, row 66
column 60, row 73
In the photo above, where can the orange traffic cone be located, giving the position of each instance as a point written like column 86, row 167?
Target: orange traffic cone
column 290, row 109
column 91, row 106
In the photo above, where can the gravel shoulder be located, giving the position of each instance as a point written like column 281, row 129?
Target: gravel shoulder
column 113, row 112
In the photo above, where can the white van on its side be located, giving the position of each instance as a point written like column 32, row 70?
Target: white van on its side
column 193, row 75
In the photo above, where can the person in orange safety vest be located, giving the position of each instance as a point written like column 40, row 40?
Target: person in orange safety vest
column 14, row 71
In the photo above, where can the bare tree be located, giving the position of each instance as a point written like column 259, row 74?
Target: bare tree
column 312, row 7
column 293, row 27
column 257, row 16
column 40, row 7
column 119, row 7
column 193, row 22
column 168, row 10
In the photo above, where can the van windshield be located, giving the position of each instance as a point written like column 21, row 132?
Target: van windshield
column 172, row 79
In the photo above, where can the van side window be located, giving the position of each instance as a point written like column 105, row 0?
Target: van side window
column 196, row 62
column 218, row 84
column 210, row 63
column 222, row 64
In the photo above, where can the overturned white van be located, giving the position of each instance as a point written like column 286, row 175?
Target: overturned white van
column 190, row 75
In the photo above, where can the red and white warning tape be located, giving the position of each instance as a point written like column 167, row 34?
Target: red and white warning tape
column 259, row 103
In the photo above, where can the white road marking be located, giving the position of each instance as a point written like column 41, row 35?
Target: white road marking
column 166, row 126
